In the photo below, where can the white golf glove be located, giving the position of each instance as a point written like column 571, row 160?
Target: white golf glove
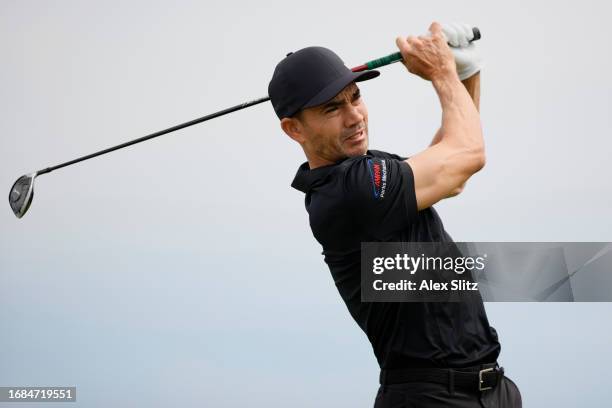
column 467, row 55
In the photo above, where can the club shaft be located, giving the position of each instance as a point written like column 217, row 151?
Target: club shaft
column 377, row 63
column 159, row 133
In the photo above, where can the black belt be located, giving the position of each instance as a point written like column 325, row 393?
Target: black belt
column 482, row 377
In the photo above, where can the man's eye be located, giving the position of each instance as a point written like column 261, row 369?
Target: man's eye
column 331, row 110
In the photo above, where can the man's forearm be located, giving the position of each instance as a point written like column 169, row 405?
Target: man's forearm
column 460, row 128
column 472, row 84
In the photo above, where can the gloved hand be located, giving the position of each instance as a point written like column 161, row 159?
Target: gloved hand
column 467, row 55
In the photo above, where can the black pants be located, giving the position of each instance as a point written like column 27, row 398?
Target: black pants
column 432, row 395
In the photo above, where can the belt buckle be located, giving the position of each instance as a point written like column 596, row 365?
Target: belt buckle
column 480, row 381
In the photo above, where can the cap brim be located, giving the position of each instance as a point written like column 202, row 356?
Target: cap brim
column 338, row 85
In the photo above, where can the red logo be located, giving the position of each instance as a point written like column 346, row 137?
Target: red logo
column 378, row 175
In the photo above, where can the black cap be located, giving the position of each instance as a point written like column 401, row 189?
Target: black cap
column 310, row 77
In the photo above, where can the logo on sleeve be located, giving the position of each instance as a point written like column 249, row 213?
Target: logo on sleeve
column 378, row 176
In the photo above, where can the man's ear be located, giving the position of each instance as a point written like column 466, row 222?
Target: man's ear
column 293, row 128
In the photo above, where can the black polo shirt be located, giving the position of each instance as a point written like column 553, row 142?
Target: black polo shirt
column 372, row 198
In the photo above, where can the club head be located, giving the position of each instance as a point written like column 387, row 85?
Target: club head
column 21, row 194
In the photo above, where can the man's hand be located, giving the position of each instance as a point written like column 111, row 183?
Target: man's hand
column 467, row 55
column 428, row 56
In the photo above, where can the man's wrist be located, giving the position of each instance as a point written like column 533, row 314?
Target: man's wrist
column 444, row 85
column 471, row 79
column 472, row 84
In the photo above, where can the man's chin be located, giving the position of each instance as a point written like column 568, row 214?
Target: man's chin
column 356, row 151
column 357, row 154
column 355, row 147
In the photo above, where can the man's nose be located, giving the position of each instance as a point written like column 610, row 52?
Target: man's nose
column 354, row 116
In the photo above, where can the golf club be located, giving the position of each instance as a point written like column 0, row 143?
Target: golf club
column 22, row 191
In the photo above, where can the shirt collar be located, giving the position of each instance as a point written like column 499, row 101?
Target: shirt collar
column 305, row 179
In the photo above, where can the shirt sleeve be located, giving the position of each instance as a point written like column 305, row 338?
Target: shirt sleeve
column 386, row 155
column 381, row 195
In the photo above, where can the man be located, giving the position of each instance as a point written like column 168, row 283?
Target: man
column 430, row 354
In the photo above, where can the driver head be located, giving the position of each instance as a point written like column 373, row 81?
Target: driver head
column 21, row 194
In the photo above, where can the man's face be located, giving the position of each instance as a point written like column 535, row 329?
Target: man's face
column 336, row 129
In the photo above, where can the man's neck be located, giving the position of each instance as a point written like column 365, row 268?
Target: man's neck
column 313, row 164
column 315, row 161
